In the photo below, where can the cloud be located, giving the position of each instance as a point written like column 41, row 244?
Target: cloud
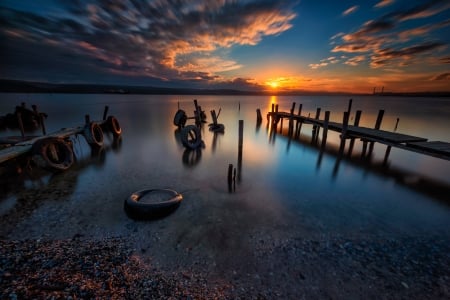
column 354, row 61
column 350, row 10
column 444, row 76
column 384, row 3
column 387, row 46
column 165, row 39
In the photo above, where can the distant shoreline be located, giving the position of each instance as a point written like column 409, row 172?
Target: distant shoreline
column 17, row 86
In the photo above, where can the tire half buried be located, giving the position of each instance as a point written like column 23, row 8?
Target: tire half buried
column 162, row 203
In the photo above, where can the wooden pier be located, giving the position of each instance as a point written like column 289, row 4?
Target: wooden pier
column 54, row 149
column 368, row 136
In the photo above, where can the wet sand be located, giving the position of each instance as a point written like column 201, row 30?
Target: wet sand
column 221, row 249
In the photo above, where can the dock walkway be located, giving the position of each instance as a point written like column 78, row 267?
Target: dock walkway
column 421, row 145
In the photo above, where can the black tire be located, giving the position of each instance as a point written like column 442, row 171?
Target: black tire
column 180, row 118
column 148, row 211
column 53, row 153
column 93, row 134
column 114, row 126
column 191, row 137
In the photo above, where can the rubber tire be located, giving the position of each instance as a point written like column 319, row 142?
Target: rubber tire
column 180, row 118
column 44, row 148
column 93, row 134
column 150, row 211
column 191, row 137
column 114, row 126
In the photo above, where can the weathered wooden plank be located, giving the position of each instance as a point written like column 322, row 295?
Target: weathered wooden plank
column 432, row 146
column 25, row 146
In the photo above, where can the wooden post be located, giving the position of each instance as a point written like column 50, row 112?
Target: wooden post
column 396, row 124
column 352, row 140
column 349, row 106
column 214, row 117
column 315, row 130
column 240, row 144
column 281, row 126
column 87, row 119
column 299, row 121
column 344, row 132
column 325, row 128
column 105, row 112
column 291, row 120
column 41, row 120
column 258, row 116
column 230, row 177
column 377, row 126
column 19, row 120
column 386, row 155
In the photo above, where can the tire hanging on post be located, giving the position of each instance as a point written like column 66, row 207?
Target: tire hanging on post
column 191, row 137
column 93, row 134
column 114, row 126
column 53, row 153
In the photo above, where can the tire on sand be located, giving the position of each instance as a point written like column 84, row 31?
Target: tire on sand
column 139, row 210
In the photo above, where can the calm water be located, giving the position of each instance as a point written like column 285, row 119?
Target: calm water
column 283, row 184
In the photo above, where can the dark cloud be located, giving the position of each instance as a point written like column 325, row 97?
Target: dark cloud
column 166, row 39
column 387, row 44
column 444, row 76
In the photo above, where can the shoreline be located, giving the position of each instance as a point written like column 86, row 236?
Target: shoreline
column 296, row 268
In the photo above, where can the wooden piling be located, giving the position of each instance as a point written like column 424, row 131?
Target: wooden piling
column 396, row 124
column 258, row 116
column 343, row 132
column 240, row 145
column 377, row 126
column 349, row 109
column 19, row 120
column 299, row 121
column 352, row 140
column 87, row 119
column 105, row 112
column 291, row 120
column 325, row 128
column 315, row 130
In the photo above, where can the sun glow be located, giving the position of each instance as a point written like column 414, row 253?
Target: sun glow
column 283, row 83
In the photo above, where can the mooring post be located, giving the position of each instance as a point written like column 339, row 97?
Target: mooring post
column 258, row 116
column 291, row 120
column 349, row 106
column 19, row 120
column 299, row 121
column 396, row 124
column 41, row 120
column 105, row 112
column 386, row 155
column 344, row 132
column 240, row 144
column 325, row 128
column 377, row 126
column 352, row 140
column 230, row 174
column 315, row 130
column 87, row 119
column 281, row 126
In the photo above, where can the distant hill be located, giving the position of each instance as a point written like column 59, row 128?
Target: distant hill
column 18, row 86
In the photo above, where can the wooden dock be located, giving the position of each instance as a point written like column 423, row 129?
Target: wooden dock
column 368, row 136
column 24, row 147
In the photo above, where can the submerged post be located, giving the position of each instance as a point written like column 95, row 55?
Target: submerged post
column 240, row 144
column 377, row 126
column 258, row 116
column 344, row 132
column 349, row 106
column 19, row 120
column 325, row 128
column 105, row 112
column 352, row 140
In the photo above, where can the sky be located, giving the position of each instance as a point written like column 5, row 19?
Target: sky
column 304, row 45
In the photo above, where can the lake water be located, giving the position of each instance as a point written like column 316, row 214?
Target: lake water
column 283, row 186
